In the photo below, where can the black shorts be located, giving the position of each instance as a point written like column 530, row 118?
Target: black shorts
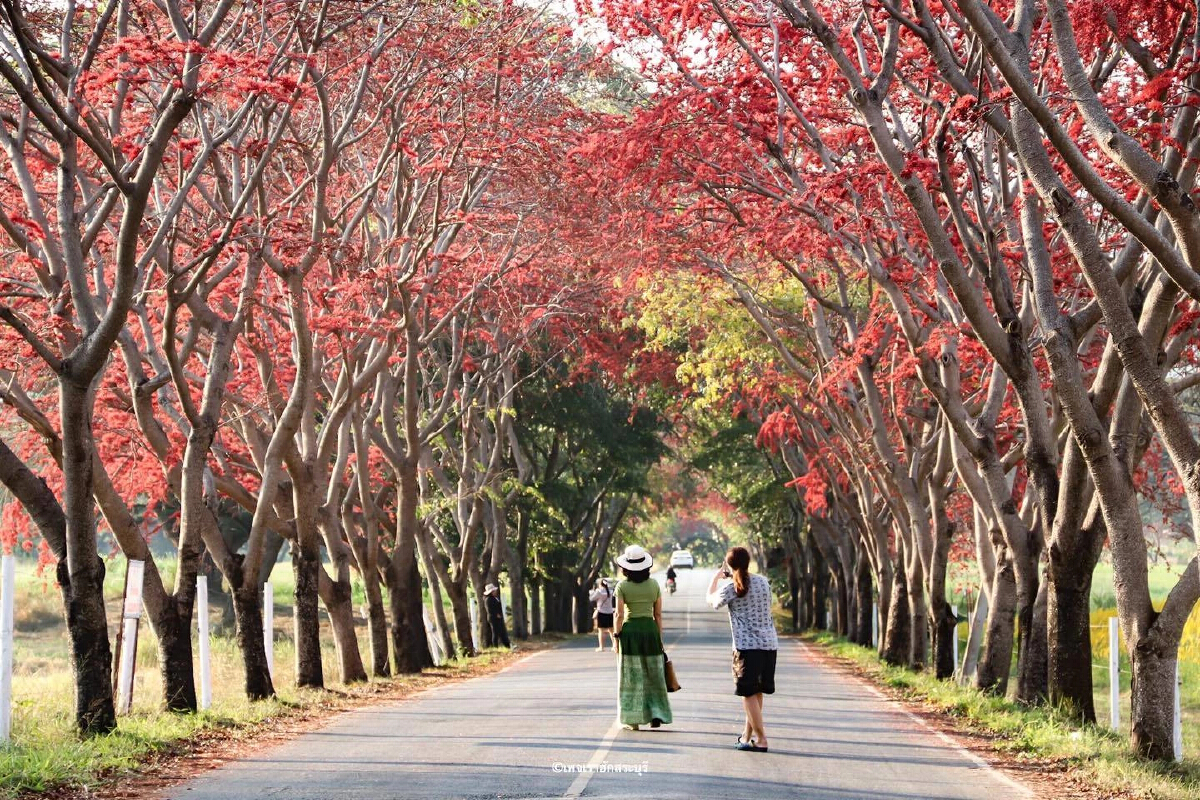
column 604, row 621
column 754, row 672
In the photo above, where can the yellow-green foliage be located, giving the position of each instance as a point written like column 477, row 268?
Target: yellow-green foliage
column 719, row 344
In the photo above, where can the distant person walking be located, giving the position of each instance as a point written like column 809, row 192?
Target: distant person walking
column 641, row 681
column 603, row 598
column 495, row 615
column 755, row 643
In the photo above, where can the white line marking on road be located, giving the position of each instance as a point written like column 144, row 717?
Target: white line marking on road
column 949, row 741
column 580, row 783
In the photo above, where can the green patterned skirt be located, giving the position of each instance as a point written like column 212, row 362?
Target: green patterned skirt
column 642, row 684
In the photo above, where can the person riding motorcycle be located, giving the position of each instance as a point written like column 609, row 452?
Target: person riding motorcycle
column 671, row 579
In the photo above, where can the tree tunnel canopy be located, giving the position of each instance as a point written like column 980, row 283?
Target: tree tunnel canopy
column 431, row 294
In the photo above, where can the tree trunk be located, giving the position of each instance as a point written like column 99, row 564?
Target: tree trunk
column 409, row 642
column 992, row 674
column 1031, row 652
column 582, row 606
column 91, row 658
column 841, row 604
column 516, row 558
column 918, row 616
column 338, row 597
column 943, row 627
column 897, row 637
column 1070, row 640
column 173, row 632
column 820, row 592
column 970, row 662
column 557, row 608
column 306, row 618
column 865, row 603
column 535, row 608
column 377, row 627
column 247, row 610
column 1153, row 703
column 460, row 607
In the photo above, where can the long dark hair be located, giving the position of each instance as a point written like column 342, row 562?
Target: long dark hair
column 637, row 575
column 738, row 560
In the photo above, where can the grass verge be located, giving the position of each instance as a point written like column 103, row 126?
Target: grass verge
column 1100, row 756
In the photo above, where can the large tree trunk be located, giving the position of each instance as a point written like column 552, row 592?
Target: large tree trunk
column 377, row 627
column 338, row 597
column 841, row 604
column 1031, row 652
column 1154, row 701
column 460, row 607
column 247, row 610
column 517, row 557
column 557, row 610
column 1070, row 640
column 918, row 611
column 820, row 592
column 970, row 662
column 174, row 635
column 87, row 625
column 897, row 637
column 864, row 603
column 91, row 658
column 535, row 608
column 409, row 642
column 582, row 606
column 992, row 674
column 306, row 618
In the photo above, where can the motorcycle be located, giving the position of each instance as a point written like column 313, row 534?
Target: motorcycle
column 671, row 585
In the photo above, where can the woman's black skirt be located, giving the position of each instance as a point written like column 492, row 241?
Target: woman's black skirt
column 604, row 621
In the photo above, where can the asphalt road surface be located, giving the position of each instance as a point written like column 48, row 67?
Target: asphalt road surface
column 545, row 728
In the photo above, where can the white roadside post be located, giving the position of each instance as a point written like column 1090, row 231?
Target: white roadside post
column 435, row 641
column 202, row 630
column 1178, row 726
column 269, row 627
column 1114, row 674
column 8, row 579
column 474, row 623
column 954, row 611
column 875, row 624
column 134, row 575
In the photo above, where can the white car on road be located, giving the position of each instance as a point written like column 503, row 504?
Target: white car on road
column 682, row 558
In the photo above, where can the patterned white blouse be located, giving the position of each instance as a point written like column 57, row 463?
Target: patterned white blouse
column 749, row 616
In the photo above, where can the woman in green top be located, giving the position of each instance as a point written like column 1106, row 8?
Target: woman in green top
column 642, row 683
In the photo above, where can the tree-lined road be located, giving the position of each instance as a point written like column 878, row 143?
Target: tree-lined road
column 524, row 733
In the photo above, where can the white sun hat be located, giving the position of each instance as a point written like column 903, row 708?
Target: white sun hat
column 634, row 558
column 491, row 587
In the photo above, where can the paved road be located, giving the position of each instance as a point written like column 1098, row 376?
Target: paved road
column 524, row 732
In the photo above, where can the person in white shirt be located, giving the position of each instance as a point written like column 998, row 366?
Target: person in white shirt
column 602, row 598
column 755, row 644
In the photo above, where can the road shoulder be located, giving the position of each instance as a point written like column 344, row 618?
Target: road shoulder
column 1043, row 777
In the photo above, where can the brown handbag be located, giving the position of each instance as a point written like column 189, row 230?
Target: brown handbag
column 669, row 674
